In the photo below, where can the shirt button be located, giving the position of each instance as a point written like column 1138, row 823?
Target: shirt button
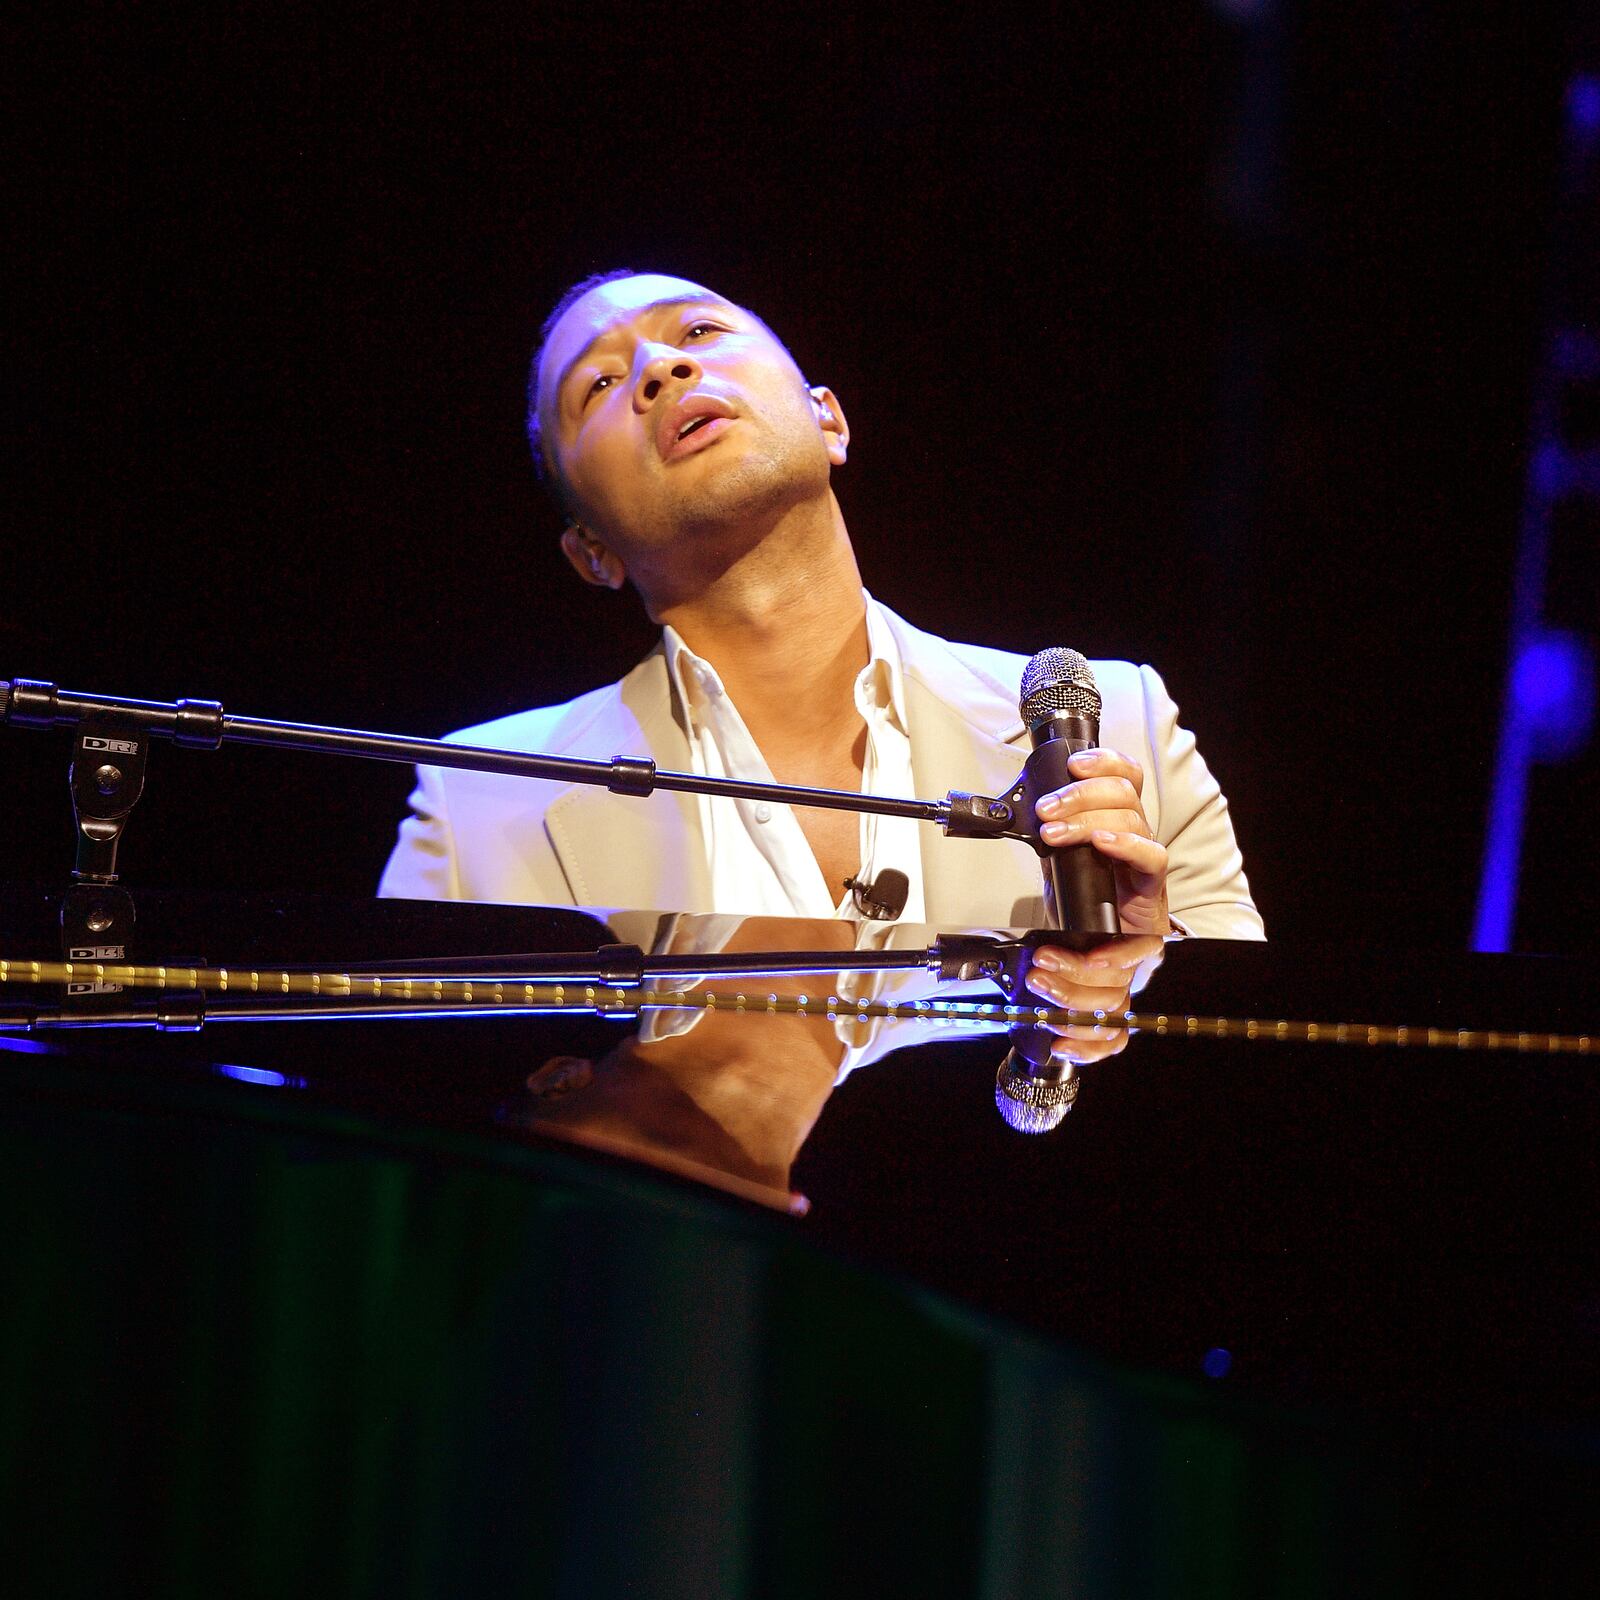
column 763, row 812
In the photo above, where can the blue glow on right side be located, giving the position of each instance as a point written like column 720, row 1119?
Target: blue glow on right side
column 1552, row 689
column 1550, row 693
column 1549, row 716
column 1583, row 103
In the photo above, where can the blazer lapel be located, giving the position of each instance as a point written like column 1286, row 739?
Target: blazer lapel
column 622, row 850
column 966, row 734
column 616, row 850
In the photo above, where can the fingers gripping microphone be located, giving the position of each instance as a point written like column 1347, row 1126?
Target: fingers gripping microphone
column 1034, row 1088
column 1061, row 706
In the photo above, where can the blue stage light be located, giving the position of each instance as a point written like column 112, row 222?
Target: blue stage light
column 1218, row 1363
column 1583, row 103
column 1549, row 472
column 25, row 1047
column 262, row 1075
column 1553, row 691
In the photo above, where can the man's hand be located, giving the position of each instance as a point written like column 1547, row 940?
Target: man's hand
column 1102, row 808
column 1100, row 979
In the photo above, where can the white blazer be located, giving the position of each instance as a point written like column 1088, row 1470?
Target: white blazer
column 483, row 836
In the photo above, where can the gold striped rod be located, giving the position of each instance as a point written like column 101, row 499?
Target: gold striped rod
column 372, row 994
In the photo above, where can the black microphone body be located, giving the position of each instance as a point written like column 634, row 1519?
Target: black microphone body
column 1061, row 706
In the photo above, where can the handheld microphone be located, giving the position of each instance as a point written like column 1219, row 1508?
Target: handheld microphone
column 1061, row 706
column 1034, row 1090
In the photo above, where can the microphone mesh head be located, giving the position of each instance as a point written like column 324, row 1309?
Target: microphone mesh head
column 1058, row 681
column 1028, row 1104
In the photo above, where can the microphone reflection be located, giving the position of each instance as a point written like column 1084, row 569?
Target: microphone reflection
column 708, row 1091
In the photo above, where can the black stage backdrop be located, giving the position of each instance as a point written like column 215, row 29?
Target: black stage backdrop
column 1203, row 337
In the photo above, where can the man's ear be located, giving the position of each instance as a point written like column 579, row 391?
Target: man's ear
column 590, row 559
column 830, row 418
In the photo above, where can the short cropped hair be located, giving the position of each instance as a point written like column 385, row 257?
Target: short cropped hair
column 570, row 297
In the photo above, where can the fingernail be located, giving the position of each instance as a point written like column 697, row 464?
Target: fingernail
column 1105, row 835
column 1058, row 832
column 1048, row 959
column 1048, row 807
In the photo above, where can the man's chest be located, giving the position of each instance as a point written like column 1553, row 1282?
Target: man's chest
column 834, row 837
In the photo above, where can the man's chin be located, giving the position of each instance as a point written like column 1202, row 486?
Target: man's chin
column 748, row 492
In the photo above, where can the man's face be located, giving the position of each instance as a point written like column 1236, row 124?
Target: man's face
column 669, row 413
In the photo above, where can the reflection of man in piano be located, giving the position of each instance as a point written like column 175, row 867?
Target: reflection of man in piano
column 717, row 1094
column 721, row 1082
column 694, row 462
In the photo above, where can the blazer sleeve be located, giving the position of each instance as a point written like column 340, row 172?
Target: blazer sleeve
column 423, row 864
column 1208, row 895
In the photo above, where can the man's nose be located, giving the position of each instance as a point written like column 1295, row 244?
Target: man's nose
column 655, row 364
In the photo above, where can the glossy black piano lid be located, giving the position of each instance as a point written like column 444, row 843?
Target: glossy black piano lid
column 1399, row 1227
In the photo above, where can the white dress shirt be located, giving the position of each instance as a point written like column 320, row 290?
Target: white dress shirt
column 760, row 860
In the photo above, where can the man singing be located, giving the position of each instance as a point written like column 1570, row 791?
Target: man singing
column 694, row 462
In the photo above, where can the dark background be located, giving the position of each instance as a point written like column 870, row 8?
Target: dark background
column 1203, row 336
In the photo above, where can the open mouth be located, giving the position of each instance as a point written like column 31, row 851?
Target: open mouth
column 691, row 424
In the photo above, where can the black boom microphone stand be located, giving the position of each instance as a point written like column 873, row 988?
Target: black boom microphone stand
column 111, row 747
column 112, row 742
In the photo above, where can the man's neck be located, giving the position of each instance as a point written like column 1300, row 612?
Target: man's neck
column 786, row 629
